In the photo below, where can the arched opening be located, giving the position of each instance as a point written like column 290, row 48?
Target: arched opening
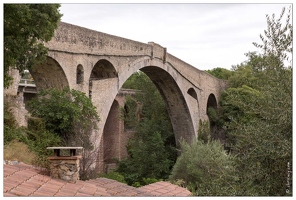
column 217, row 133
column 212, row 109
column 212, row 102
column 192, row 93
column 79, row 74
column 49, row 74
column 102, row 70
column 178, row 118
column 213, row 114
column 117, row 131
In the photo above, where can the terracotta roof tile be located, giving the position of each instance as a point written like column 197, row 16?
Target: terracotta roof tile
column 25, row 180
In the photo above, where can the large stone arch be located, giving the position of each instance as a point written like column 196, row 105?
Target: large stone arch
column 175, row 102
column 166, row 79
column 170, row 84
column 49, row 74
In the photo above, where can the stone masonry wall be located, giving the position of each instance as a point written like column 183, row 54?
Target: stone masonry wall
column 15, row 100
column 65, row 169
column 76, row 39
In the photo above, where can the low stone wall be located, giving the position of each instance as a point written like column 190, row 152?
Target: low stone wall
column 65, row 168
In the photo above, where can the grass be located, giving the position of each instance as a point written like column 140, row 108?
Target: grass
column 18, row 151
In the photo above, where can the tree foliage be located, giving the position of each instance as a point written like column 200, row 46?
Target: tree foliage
column 206, row 169
column 220, row 73
column 257, row 113
column 277, row 42
column 38, row 139
column 35, row 136
column 11, row 129
column 26, row 28
column 67, row 113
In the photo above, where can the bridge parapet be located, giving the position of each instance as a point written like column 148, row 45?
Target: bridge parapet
column 157, row 51
column 195, row 76
column 75, row 39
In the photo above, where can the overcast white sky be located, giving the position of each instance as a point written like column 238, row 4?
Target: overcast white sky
column 203, row 35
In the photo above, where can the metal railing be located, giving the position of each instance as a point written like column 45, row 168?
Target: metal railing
column 27, row 82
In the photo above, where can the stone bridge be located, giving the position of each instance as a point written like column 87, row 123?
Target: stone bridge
column 98, row 64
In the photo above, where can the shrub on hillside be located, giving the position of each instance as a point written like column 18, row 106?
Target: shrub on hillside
column 206, row 169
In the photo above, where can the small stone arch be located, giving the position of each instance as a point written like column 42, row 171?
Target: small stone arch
column 212, row 102
column 103, row 69
column 79, row 74
column 211, row 114
column 192, row 93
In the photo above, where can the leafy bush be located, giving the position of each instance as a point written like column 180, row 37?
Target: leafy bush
column 114, row 176
column 13, row 133
column 204, row 133
column 148, row 181
column 206, row 169
column 67, row 113
column 11, row 129
column 38, row 139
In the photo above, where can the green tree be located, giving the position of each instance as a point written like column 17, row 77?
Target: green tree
column 258, row 109
column 205, row 169
column 257, row 113
column 26, row 28
column 67, row 113
column 38, row 139
column 220, row 73
column 277, row 39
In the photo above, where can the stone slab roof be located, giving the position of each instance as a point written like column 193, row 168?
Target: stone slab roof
column 26, row 180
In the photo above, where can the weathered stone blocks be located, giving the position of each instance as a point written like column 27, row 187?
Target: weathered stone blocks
column 65, row 168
